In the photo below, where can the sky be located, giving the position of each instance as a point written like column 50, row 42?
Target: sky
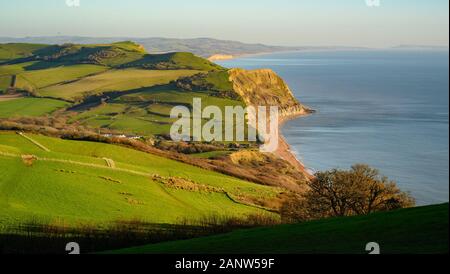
column 275, row 22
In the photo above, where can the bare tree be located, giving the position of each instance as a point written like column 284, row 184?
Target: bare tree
column 360, row 190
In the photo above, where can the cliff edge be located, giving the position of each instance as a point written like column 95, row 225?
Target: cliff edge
column 263, row 87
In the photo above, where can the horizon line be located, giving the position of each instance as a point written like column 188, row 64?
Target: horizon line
column 230, row 40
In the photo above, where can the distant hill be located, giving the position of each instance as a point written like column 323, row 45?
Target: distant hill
column 119, row 54
column 418, row 230
column 420, row 47
column 74, row 71
column 204, row 47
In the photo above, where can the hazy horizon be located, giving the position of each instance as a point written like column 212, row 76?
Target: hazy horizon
column 282, row 22
column 120, row 38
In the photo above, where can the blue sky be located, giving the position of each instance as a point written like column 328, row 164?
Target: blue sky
column 281, row 22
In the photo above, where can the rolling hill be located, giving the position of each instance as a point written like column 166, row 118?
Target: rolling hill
column 121, row 88
column 81, row 91
column 59, row 77
column 419, row 230
column 204, row 47
column 73, row 182
column 117, row 86
column 18, row 50
column 112, row 81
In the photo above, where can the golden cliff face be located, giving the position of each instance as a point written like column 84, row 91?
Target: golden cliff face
column 263, row 87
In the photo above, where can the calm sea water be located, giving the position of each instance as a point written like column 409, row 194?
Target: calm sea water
column 389, row 109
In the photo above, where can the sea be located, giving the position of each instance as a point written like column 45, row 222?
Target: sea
column 385, row 108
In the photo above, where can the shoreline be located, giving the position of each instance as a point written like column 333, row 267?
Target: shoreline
column 284, row 148
column 306, row 50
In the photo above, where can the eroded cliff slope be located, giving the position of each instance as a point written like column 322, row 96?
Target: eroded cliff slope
column 263, row 87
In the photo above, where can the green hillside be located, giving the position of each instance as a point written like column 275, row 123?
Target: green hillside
column 77, row 73
column 78, row 182
column 174, row 60
column 147, row 112
column 415, row 230
column 17, row 50
column 122, row 54
column 51, row 76
column 29, row 106
column 107, row 55
column 113, row 80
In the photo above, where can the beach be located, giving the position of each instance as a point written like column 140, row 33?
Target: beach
column 384, row 108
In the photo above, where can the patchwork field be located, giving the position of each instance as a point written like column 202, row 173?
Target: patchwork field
column 51, row 76
column 114, row 80
column 27, row 106
column 147, row 112
column 74, row 182
column 74, row 73
column 54, row 180
column 8, row 70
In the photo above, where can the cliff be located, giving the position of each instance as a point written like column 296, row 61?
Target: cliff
column 263, row 87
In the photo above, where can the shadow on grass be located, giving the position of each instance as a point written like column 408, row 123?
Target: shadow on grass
column 34, row 237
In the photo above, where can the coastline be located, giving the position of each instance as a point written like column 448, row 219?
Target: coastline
column 305, row 50
column 284, row 149
column 243, row 55
column 289, row 113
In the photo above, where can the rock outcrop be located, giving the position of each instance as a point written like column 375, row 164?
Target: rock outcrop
column 263, row 87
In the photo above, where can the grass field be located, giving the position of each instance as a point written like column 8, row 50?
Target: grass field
column 47, row 77
column 5, row 82
column 114, row 80
column 147, row 112
column 73, row 183
column 30, row 107
column 17, row 50
column 416, row 230
column 111, row 55
column 36, row 79
column 174, row 60
column 7, row 70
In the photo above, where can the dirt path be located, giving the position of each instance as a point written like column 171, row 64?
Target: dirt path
column 148, row 175
column 4, row 98
column 44, row 159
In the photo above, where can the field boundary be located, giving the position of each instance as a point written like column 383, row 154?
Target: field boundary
column 148, row 175
column 33, row 141
column 7, row 154
column 8, row 97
